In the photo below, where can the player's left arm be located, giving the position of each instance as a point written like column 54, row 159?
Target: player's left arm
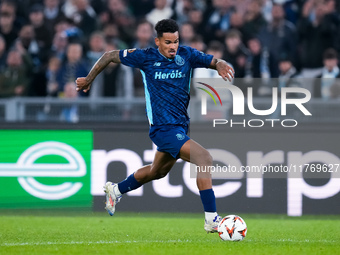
column 223, row 69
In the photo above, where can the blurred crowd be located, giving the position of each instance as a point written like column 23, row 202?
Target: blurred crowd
column 46, row 44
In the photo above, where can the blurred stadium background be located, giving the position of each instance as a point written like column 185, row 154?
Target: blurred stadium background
column 103, row 135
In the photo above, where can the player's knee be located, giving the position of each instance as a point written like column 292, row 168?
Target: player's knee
column 209, row 159
column 160, row 175
column 156, row 174
column 205, row 158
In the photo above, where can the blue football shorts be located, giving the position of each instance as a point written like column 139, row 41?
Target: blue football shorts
column 169, row 138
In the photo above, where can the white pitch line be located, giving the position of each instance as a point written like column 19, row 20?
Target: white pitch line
column 88, row 243
column 307, row 241
column 149, row 241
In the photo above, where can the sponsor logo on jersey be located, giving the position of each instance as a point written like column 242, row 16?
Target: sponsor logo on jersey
column 157, row 64
column 171, row 75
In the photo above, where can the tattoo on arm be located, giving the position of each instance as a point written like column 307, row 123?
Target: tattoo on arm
column 213, row 63
column 223, row 68
column 102, row 62
column 115, row 56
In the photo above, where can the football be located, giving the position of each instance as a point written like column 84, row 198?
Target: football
column 232, row 228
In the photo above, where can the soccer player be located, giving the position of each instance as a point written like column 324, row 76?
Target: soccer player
column 166, row 74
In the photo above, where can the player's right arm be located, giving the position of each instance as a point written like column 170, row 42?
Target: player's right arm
column 84, row 83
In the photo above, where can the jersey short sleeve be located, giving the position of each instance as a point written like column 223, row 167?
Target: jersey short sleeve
column 200, row 59
column 132, row 57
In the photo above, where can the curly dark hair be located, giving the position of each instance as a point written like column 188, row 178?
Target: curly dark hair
column 166, row 26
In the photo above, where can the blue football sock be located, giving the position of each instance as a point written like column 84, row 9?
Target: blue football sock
column 208, row 200
column 130, row 183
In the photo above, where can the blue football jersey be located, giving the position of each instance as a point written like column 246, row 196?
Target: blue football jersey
column 166, row 81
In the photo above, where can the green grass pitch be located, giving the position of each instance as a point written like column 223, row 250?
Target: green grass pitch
column 146, row 233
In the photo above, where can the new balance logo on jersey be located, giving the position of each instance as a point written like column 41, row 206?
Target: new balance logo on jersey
column 172, row 75
column 157, row 64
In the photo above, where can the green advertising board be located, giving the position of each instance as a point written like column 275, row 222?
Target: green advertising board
column 45, row 168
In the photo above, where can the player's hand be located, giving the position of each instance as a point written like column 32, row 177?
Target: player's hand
column 225, row 70
column 82, row 84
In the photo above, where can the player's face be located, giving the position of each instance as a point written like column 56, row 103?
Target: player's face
column 168, row 44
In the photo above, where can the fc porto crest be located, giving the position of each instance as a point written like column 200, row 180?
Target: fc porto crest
column 179, row 60
column 180, row 137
